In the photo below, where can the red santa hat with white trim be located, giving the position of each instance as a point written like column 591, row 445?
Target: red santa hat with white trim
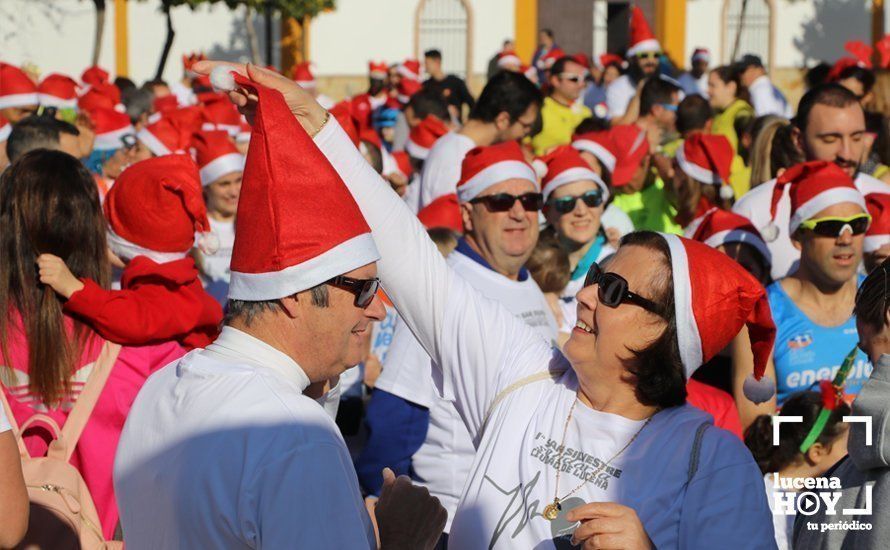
column 564, row 165
column 410, row 69
column 422, row 137
column 550, row 58
column 813, row 186
column 509, row 60
column 221, row 114
column 718, row 227
column 16, row 89
column 273, row 256
column 110, row 127
column 155, row 209
column 403, row 163
column 406, row 89
column 707, row 158
column 878, row 233
column 302, row 75
column 57, row 90
column 101, row 95
column 5, row 129
column 630, row 146
column 378, row 70
column 598, row 144
column 216, row 155
column 714, row 297
column 442, row 212
column 701, row 54
column 167, row 136
column 244, row 132
column 483, row 167
column 642, row 39
column 94, row 76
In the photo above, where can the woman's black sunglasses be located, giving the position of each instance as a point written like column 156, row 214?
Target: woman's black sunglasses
column 363, row 289
column 564, row 205
column 613, row 290
column 502, row 202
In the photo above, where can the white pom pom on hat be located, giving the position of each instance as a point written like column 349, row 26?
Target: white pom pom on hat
column 208, row 243
column 770, row 232
column 759, row 391
column 222, row 79
column 726, row 192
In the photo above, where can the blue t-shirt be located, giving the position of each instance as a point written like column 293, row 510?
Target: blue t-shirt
column 806, row 352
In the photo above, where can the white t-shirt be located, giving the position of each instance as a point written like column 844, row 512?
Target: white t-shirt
column 221, row 449
column 755, row 205
column 767, row 99
column 618, row 95
column 614, row 217
column 441, row 169
column 442, row 464
column 480, row 349
column 412, row 194
column 215, row 268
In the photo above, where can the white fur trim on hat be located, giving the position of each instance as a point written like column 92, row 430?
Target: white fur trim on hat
column 496, row 173
column 220, row 166
column 52, row 101
column 688, row 336
column 822, row 201
column 872, row 243
column 5, row 130
column 571, row 176
column 597, row 150
column 378, row 75
column 154, row 144
column 740, row 236
column 127, row 250
column 112, row 140
column 696, row 172
column 242, row 137
column 648, row 45
column 343, row 258
column 18, row 100
column 509, row 60
column 416, row 151
column 231, row 129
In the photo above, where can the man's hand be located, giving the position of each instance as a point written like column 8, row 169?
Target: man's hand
column 301, row 103
column 55, row 274
column 608, row 525
column 407, row 516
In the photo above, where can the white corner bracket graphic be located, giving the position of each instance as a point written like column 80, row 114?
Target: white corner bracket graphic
column 777, row 423
column 867, row 421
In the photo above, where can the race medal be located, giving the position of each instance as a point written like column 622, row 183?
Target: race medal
column 551, row 511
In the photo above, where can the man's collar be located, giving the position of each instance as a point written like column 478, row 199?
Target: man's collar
column 238, row 346
column 464, row 248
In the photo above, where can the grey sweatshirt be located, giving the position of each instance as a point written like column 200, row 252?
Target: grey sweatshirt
column 866, row 466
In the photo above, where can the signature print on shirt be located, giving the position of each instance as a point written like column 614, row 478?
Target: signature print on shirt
column 575, row 462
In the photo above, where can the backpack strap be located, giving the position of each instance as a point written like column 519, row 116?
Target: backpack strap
column 696, row 451
column 530, row 379
column 63, row 447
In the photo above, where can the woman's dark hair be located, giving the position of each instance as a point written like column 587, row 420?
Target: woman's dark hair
column 817, row 75
column 727, row 74
column 807, row 404
column 592, row 124
column 506, row 92
column 866, row 77
column 659, row 368
column 871, row 298
column 48, row 204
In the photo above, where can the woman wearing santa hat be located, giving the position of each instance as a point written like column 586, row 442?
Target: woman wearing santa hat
column 595, row 445
column 701, row 177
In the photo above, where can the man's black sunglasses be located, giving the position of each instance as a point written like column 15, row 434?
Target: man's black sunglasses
column 502, row 202
column 613, row 290
column 363, row 289
column 564, row 205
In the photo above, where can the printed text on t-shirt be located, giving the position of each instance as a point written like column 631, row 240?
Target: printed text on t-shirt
column 576, row 462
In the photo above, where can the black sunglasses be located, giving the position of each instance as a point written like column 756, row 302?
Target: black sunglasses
column 502, row 202
column 613, row 290
column 363, row 289
column 564, row 205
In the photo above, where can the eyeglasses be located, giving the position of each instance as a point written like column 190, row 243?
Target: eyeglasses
column 571, row 77
column 502, row 202
column 129, row 141
column 613, row 290
column 648, row 55
column 363, row 289
column 835, row 226
column 669, row 107
column 564, row 205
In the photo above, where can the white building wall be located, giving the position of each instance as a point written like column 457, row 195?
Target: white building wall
column 703, row 28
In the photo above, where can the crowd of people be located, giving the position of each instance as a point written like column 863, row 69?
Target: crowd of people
column 566, row 312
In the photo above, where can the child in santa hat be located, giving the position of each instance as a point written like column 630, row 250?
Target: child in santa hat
column 154, row 211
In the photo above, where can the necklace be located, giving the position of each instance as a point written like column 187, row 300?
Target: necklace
column 551, row 511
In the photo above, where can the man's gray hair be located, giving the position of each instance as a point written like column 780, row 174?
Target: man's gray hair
column 247, row 311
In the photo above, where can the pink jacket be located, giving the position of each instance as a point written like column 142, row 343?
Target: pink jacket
column 94, row 454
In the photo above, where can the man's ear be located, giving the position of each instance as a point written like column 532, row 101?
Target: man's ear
column 797, row 138
column 291, row 304
column 466, row 216
column 502, row 121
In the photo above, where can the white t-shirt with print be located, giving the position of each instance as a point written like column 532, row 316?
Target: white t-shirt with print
column 441, row 169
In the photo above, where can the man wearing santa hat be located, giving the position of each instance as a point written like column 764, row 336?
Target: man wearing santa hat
column 643, row 56
column 876, row 246
column 302, row 75
column 695, row 81
column 830, row 125
column 656, row 469
column 499, row 201
column 18, row 94
column 227, row 447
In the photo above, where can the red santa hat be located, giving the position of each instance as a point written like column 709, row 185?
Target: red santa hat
column 406, row 89
column 607, row 59
column 57, row 90
column 813, row 186
column 598, row 144
column 707, row 158
column 701, row 54
column 410, row 69
column 564, row 165
column 630, row 147
column 424, row 135
column 94, row 76
column 878, row 233
column 718, row 227
column 16, row 89
column 101, row 95
column 529, row 72
column 244, row 132
column 221, row 114
column 509, row 60
column 274, row 257
column 342, row 111
column 581, row 59
column 155, row 209
column 483, row 167
column 5, row 129
column 166, row 136
column 216, row 155
column 550, row 58
column 861, row 57
column 403, row 163
column 442, row 212
column 378, row 70
column 714, row 297
column 302, row 75
column 164, row 104
column 110, row 126
column 641, row 37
